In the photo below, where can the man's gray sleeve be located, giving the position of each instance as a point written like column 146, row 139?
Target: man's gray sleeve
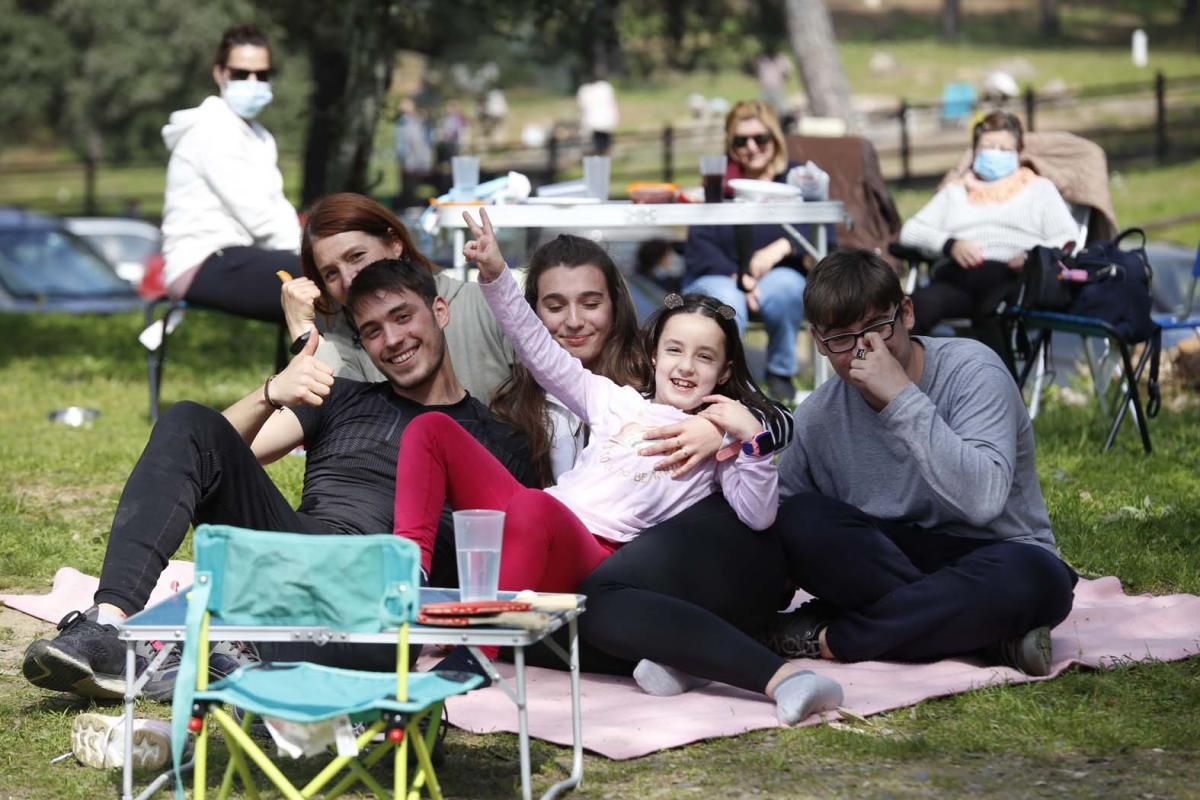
column 969, row 457
column 794, row 477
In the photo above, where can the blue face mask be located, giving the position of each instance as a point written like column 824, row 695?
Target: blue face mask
column 992, row 165
column 247, row 98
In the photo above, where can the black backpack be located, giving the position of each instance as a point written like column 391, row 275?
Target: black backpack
column 1118, row 286
column 1116, row 290
column 1102, row 281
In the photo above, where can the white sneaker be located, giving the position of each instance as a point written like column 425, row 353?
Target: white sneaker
column 98, row 740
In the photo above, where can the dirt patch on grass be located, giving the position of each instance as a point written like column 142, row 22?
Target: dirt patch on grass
column 17, row 630
column 71, row 503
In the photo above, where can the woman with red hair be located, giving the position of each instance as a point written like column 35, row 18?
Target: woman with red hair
column 345, row 232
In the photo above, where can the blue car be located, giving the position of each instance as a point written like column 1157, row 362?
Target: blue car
column 45, row 267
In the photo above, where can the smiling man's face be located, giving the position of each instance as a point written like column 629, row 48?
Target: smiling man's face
column 403, row 336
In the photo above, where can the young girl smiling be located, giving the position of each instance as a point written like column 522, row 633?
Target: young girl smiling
column 553, row 538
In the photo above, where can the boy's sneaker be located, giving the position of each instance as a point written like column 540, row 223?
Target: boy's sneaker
column 85, row 657
column 98, row 740
column 796, row 634
column 1032, row 653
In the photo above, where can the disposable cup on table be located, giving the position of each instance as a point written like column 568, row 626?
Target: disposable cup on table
column 712, row 175
column 478, row 535
column 596, row 173
column 465, row 171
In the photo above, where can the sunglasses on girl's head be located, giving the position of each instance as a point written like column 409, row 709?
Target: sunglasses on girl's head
column 760, row 139
column 236, row 74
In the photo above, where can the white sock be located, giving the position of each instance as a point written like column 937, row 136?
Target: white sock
column 663, row 681
column 803, row 693
column 106, row 617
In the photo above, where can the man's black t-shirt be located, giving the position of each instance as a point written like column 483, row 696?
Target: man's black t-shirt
column 352, row 442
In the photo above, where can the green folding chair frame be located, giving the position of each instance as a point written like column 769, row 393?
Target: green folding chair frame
column 352, row 584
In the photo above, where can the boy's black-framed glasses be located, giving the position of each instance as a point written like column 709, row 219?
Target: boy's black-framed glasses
column 844, row 342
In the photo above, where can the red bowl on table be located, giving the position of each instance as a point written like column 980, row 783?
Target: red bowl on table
column 652, row 192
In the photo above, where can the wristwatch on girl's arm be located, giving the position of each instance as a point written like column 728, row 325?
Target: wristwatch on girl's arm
column 760, row 444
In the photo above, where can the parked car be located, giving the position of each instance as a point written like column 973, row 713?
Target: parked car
column 125, row 242
column 45, row 267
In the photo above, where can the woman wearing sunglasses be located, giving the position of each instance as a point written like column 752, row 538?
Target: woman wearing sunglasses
column 227, row 226
column 770, row 264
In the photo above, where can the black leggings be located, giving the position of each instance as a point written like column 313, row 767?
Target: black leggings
column 685, row 593
column 195, row 468
column 242, row 281
column 956, row 293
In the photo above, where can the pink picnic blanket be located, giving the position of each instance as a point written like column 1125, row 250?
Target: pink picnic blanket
column 1106, row 627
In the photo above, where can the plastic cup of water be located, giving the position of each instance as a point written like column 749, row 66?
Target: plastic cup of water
column 465, row 171
column 478, row 534
column 596, row 173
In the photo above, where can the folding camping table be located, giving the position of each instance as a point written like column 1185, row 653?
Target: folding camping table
column 164, row 623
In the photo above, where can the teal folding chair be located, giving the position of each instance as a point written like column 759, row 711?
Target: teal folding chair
column 308, row 584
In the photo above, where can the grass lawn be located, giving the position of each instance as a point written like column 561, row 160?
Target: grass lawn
column 1131, row 731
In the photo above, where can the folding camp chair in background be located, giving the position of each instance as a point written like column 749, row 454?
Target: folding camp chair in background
column 157, row 328
column 1030, row 332
column 308, row 585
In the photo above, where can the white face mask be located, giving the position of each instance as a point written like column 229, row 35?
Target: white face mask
column 247, row 98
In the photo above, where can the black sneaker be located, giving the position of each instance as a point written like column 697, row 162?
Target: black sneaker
column 1032, row 653
column 781, row 388
column 796, row 634
column 86, row 658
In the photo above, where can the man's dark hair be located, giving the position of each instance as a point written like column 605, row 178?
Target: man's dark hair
column 846, row 285
column 237, row 36
column 391, row 275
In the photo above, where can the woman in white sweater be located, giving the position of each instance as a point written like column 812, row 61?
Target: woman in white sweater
column 981, row 226
column 227, row 226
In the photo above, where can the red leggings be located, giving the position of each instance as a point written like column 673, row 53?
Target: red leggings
column 545, row 547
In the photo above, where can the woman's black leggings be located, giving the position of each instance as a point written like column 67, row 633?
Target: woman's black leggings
column 242, row 281
column 689, row 593
column 957, row 293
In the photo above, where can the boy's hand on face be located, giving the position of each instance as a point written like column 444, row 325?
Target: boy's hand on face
column 877, row 374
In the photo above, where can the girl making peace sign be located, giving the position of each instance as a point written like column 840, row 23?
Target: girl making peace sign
column 554, row 537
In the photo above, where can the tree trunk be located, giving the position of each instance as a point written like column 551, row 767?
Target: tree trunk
column 951, row 19
column 811, row 32
column 1049, row 17
column 352, row 68
column 603, row 40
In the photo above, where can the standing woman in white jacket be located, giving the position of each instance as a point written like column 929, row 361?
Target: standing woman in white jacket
column 227, row 226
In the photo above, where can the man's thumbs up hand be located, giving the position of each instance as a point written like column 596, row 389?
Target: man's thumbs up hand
column 307, row 379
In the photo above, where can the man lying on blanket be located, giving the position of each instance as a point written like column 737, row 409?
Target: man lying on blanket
column 914, row 512
column 202, row 466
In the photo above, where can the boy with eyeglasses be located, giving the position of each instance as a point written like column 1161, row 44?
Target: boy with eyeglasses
column 913, row 511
